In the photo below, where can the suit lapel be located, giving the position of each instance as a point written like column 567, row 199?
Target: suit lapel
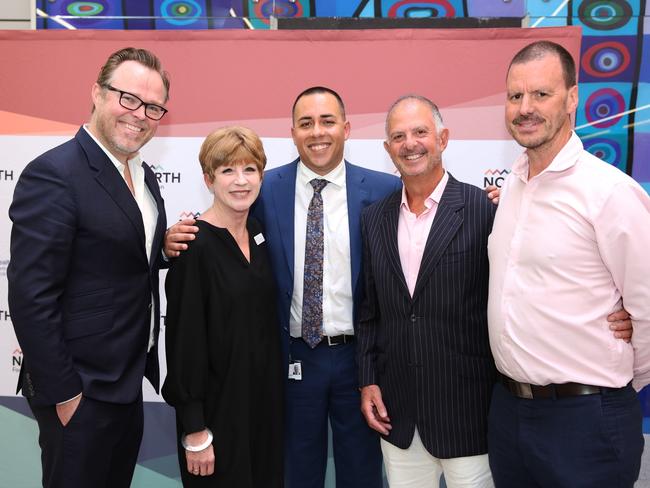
column 110, row 179
column 357, row 194
column 388, row 236
column 283, row 192
column 161, row 222
column 445, row 225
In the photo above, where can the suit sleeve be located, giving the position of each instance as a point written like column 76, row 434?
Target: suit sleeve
column 186, row 339
column 368, row 316
column 43, row 213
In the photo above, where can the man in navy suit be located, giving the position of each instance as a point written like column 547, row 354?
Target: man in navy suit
column 425, row 365
column 88, row 226
column 327, row 387
column 322, row 382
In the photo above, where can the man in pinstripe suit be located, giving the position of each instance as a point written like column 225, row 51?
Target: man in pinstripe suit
column 424, row 359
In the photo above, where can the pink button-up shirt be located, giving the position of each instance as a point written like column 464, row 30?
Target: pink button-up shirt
column 413, row 230
column 568, row 247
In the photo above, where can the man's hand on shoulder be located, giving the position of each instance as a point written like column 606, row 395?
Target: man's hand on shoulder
column 493, row 193
column 373, row 409
column 178, row 235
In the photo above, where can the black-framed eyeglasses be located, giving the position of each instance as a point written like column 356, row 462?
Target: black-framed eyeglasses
column 130, row 102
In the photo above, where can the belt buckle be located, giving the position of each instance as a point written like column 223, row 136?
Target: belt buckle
column 340, row 339
column 524, row 390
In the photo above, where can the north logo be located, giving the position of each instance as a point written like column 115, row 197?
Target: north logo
column 494, row 177
column 188, row 215
column 164, row 177
column 16, row 360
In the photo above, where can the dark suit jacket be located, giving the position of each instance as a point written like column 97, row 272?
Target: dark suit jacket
column 80, row 284
column 430, row 354
column 275, row 208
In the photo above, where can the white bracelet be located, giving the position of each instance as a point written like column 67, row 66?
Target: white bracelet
column 200, row 447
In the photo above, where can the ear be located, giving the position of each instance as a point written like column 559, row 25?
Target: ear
column 293, row 135
column 444, row 139
column 346, row 129
column 572, row 99
column 208, row 181
column 96, row 93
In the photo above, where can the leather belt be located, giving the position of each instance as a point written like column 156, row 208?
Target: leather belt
column 554, row 390
column 339, row 339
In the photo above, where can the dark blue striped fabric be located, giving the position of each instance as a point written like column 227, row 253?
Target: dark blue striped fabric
column 430, row 353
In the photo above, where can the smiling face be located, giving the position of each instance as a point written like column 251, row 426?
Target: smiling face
column 123, row 132
column 539, row 105
column 412, row 140
column 319, row 131
column 235, row 186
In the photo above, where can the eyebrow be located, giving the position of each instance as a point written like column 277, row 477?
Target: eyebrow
column 321, row 116
column 159, row 104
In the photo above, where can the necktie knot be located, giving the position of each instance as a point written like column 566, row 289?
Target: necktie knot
column 318, row 184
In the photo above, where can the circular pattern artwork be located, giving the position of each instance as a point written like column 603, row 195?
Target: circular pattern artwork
column 602, row 104
column 180, row 12
column 605, row 149
column 84, row 9
column 279, row 8
column 606, row 59
column 604, row 14
column 421, row 9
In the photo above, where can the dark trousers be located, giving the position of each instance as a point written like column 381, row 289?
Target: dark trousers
column 97, row 448
column 329, row 389
column 590, row 441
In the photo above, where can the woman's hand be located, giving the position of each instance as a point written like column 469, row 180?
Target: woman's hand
column 200, row 463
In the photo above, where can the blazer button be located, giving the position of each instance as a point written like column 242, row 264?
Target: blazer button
column 413, row 318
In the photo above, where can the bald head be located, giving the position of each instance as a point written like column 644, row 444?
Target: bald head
column 435, row 113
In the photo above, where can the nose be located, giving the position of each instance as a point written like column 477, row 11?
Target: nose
column 409, row 141
column 318, row 129
column 139, row 112
column 240, row 179
column 526, row 105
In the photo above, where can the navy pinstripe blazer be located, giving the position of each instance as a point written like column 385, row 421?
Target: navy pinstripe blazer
column 430, row 353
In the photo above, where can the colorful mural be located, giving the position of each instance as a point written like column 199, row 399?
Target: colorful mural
column 614, row 76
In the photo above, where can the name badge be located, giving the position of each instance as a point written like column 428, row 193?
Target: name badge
column 295, row 370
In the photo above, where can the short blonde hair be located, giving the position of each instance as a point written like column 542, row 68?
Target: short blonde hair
column 229, row 145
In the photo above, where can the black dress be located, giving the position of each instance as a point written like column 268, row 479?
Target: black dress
column 224, row 367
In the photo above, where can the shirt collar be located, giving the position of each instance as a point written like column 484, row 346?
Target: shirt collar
column 565, row 159
column 335, row 177
column 435, row 196
column 135, row 161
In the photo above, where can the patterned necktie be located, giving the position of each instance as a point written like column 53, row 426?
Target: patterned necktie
column 312, row 292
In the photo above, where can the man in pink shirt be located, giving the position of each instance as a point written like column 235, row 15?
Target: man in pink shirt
column 569, row 246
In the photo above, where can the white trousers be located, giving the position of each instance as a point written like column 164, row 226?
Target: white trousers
column 414, row 467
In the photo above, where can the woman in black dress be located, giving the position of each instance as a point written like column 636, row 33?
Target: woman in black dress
column 222, row 338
